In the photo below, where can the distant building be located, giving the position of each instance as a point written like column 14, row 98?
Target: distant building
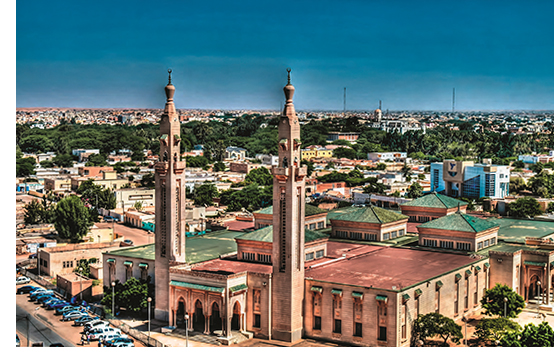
column 83, row 154
column 384, row 156
column 470, row 180
column 432, row 206
column 534, row 159
column 348, row 136
column 235, row 153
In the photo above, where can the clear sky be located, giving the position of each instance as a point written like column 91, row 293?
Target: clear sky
column 499, row 55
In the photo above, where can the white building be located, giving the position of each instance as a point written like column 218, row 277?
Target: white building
column 384, row 156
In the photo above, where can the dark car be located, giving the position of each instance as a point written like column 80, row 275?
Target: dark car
column 33, row 256
column 26, row 289
column 84, row 319
column 126, row 243
column 43, row 298
column 57, row 344
column 59, row 304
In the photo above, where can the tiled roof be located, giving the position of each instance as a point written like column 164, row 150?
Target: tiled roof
column 435, row 200
column 265, row 234
column 459, row 222
column 371, row 214
column 308, row 210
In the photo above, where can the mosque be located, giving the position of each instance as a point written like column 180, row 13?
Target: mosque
column 360, row 280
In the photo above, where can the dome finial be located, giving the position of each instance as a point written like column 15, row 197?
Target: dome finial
column 288, row 75
column 169, row 71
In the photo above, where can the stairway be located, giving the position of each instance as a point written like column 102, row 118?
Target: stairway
column 197, row 336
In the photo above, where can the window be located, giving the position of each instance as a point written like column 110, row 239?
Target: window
column 401, row 232
column 358, row 329
column 343, row 234
column 386, row 236
column 465, row 246
column 479, row 245
column 319, row 254
column 486, row 243
column 456, row 295
column 430, row 243
column 320, row 225
column 312, row 226
column 249, row 256
column 393, row 234
column 264, row 258
column 382, row 333
column 128, row 273
column 493, row 240
column 475, row 289
column 309, row 256
column 447, row 244
column 317, row 323
column 423, row 218
column 356, row 235
column 257, row 321
column 437, row 301
column 403, row 321
column 337, row 326
column 370, row 237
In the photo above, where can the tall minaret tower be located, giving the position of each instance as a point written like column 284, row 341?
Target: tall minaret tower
column 288, row 228
column 170, row 203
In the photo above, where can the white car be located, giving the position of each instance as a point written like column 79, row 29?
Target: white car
column 94, row 323
column 97, row 333
column 22, row 280
column 72, row 315
column 124, row 344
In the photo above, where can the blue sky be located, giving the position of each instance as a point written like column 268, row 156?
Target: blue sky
column 233, row 54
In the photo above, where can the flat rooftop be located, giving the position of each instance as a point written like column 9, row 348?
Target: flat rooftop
column 514, row 230
column 228, row 266
column 388, row 267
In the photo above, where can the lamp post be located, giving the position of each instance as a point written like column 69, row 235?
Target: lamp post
column 113, row 298
column 187, row 329
column 505, row 306
column 464, row 319
column 81, row 278
column 149, row 300
column 539, row 291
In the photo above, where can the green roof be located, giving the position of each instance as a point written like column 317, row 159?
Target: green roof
column 238, row 288
column 405, row 296
column 371, row 214
column 357, row 294
column 533, row 263
column 435, row 200
column 308, row 210
column 459, row 222
column 418, row 292
column 265, row 234
column 337, row 292
column 317, row 289
column 458, row 276
column 439, row 284
column 382, row 298
column 197, row 286
column 145, row 265
column 199, row 248
column 128, row 263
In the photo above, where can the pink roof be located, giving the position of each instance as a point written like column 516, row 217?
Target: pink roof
column 233, row 266
column 239, row 225
column 385, row 267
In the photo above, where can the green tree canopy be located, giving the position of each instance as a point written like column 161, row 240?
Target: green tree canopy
column 204, row 194
column 435, row 324
column 415, row 191
column 494, row 329
column 493, row 301
column 531, row 336
column 72, row 219
column 97, row 160
column 25, row 167
column 63, row 160
column 260, row 176
column 525, row 207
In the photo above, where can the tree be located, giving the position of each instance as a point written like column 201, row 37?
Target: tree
column 525, row 208
column 343, row 152
column 550, row 208
column 63, row 160
column 148, row 180
column 72, row 219
column 97, row 160
column 25, row 167
column 493, row 301
column 33, row 213
column 204, row 194
column 518, row 164
column 219, row 166
column 494, row 329
column 381, row 166
column 309, row 165
column 85, row 265
column 133, row 294
column 46, row 164
column 517, row 184
column 531, row 336
column 260, row 176
column 435, row 324
column 415, row 191
column 197, row 161
column 94, row 196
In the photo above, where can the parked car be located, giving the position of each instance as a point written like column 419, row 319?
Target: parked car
column 43, row 298
column 22, row 280
column 34, row 295
column 26, row 289
column 92, row 324
column 72, row 315
column 66, row 309
column 46, row 302
column 33, row 256
column 124, row 344
column 97, row 333
column 59, row 304
column 84, row 319
column 17, row 342
column 109, row 338
column 126, row 242
column 119, row 339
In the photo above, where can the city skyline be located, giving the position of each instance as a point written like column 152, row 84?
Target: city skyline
column 232, row 56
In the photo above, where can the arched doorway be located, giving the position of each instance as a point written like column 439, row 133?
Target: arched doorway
column 235, row 321
column 534, row 287
column 180, row 315
column 215, row 319
column 199, row 320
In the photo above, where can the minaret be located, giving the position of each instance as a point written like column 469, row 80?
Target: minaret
column 288, row 228
column 170, row 203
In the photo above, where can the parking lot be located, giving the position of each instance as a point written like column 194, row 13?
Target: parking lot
column 47, row 320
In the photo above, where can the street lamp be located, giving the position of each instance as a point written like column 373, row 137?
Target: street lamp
column 113, row 298
column 149, row 300
column 464, row 319
column 505, row 301
column 187, row 329
column 539, row 291
column 81, row 278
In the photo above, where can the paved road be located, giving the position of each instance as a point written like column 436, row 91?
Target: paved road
column 38, row 327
